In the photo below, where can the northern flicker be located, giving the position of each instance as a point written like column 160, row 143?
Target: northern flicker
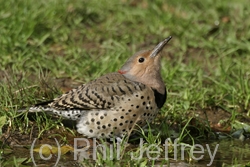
column 112, row 104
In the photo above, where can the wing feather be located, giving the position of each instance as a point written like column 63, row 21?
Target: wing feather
column 101, row 93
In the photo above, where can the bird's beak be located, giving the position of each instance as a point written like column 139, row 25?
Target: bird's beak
column 160, row 46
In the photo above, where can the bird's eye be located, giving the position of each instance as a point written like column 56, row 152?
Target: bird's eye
column 141, row 60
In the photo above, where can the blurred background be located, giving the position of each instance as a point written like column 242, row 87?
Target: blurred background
column 49, row 47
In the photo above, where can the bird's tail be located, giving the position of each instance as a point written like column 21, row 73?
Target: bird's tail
column 72, row 114
column 40, row 107
column 67, row 120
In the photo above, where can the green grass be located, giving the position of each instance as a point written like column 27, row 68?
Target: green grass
column 205, row 66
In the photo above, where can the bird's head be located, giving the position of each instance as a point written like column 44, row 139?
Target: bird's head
column 145, row 67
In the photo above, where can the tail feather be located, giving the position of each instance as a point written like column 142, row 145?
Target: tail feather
column 39, row 107
column 72, row 114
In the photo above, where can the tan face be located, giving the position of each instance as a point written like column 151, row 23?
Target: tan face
column 143, row 64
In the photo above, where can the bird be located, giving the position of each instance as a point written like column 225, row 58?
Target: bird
column 111, row 105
